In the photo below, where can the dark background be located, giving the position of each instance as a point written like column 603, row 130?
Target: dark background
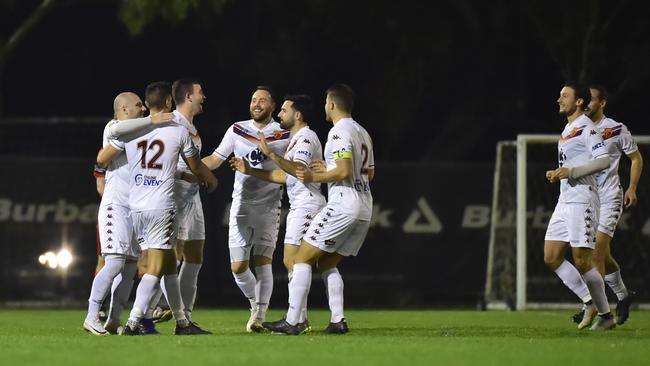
column 460, row 74
column 438, row 84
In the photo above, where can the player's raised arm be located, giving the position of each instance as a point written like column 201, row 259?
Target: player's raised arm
column 286, row 165
column 273, row 176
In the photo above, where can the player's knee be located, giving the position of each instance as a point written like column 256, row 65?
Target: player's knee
column 238, row 267
column 552, row 260
column 288, row 263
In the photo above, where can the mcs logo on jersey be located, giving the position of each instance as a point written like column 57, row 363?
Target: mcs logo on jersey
column 598, row 145
column 147, row 180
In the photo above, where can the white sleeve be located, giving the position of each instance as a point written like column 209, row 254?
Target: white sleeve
column 118, row 130
column 227, row 145
column 628, row 145
column 371, row 154
column 188, row 149
column 305, row 151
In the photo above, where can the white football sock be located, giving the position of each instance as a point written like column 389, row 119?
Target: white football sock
column 573, row 280
column 298, row 291
column 188, row 277
column 334, row 285
column 263, row 288
column 113, row 264
column 246, row 282
column 172, row 291
column 155, row 299
column 615, row 282
column 143, row 294
column 303, row 313
column 121, row 290
column 597, row 289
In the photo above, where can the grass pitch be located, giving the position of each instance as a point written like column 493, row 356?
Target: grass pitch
column 56, row 337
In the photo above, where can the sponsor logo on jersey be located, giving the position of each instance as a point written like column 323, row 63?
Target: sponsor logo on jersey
column 147, row 180
column 610, row 132
column 597, row 146
column 576, row 131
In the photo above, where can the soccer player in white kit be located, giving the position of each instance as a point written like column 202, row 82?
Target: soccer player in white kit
column 117, row 241
column 305, row 200
column 341, row 226
column 255, row 209
column 153, row 158
column 618, row 141
column 581, row 154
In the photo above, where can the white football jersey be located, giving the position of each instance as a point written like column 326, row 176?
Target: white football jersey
column 349, row 140
column 241, row 139
column 303, row 148
column 579, row 143
column 116, row 190
column 153, row 158
column 618, row 140
column 184, row 190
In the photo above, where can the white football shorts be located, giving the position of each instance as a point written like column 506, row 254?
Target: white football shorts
column 252, row 226
column 156, row 229
column 574, row 223
column 116, row 235
column 334, row 232
column 191, row 224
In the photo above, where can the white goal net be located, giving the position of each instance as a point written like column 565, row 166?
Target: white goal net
column 522, row 204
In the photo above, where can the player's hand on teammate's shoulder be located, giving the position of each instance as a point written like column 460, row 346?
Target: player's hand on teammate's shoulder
column 318, row 166
column 304, row 174
column 239, row 164
column 160, row 118
column 264, row 146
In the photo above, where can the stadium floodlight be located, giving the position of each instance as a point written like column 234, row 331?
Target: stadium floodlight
column 61, row 260
column 522, row 203
column 64, row 258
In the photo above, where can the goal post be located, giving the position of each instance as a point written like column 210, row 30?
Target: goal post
column 522, row 203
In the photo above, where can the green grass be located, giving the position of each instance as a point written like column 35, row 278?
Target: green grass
column 55, row 337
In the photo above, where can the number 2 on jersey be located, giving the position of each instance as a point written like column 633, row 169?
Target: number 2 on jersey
column 364, row 164
column 145, row 146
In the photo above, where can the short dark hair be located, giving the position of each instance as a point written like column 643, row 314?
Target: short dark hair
column 303, row 104
column 182, row 87
column 343, row 96
column 602, row 91
column 157, row 93
column 267, row 89
column 581, row 92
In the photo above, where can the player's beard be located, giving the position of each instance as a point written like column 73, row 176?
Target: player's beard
column 262, row 117
column 288, row 124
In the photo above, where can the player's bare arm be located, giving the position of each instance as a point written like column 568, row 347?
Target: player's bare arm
column 106, row 155
column 284, row 164
column 212, row 162
column 341, row 172
column 273, row 176
column 202, row 172
column 100, row 182
column 635, row 174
